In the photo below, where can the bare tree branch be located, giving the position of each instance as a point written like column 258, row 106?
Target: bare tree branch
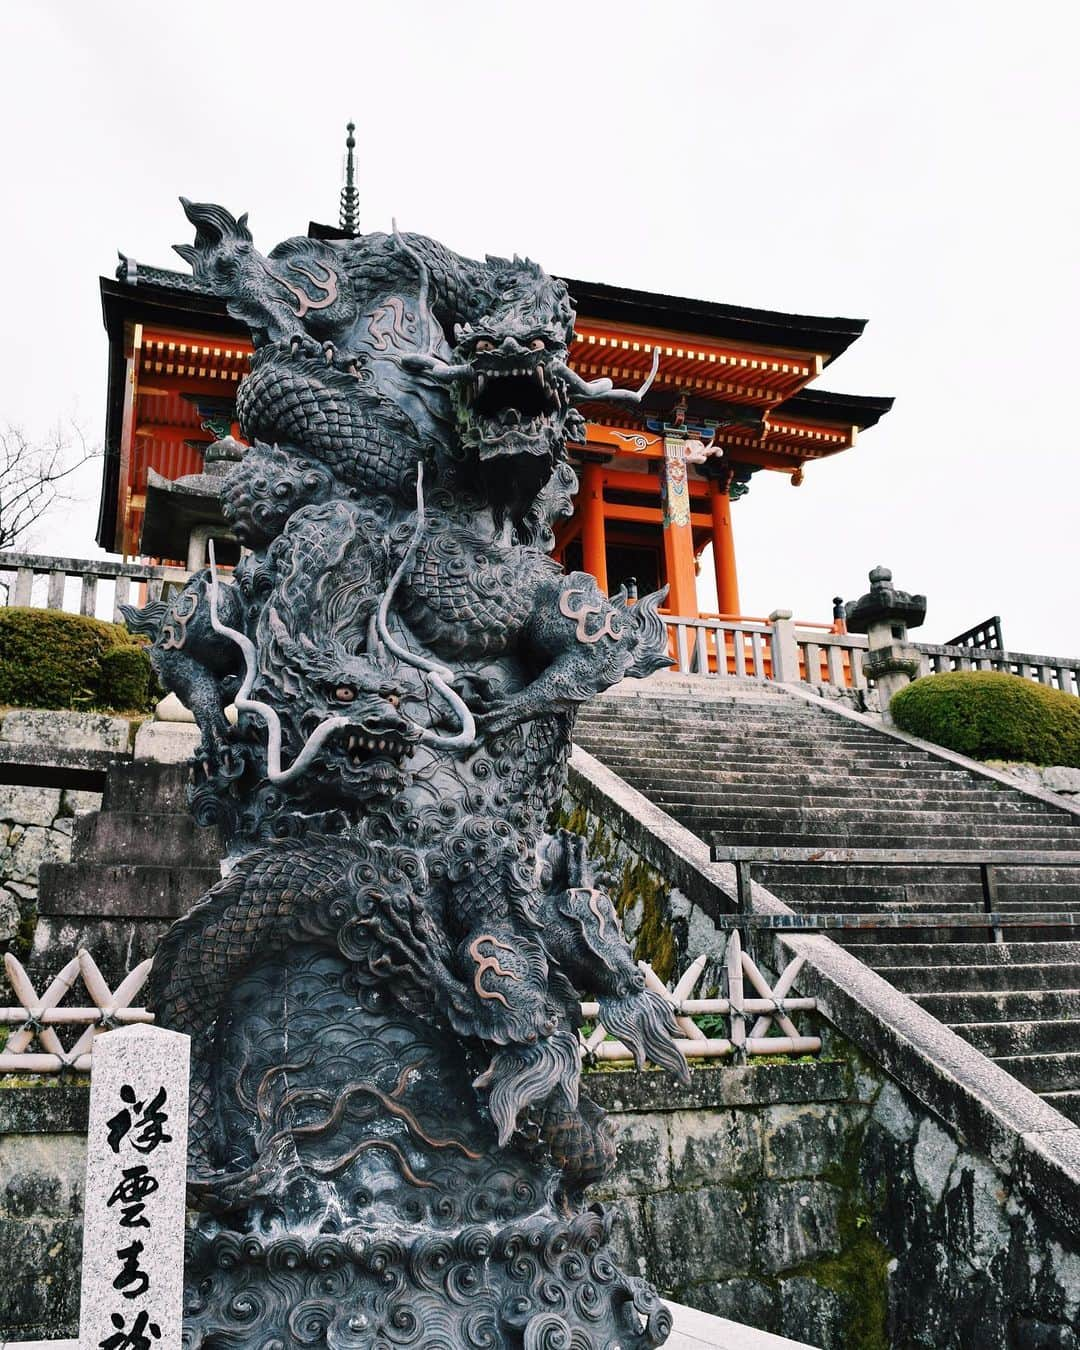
column 31, row 475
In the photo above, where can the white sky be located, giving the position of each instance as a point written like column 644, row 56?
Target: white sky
column 913, row 164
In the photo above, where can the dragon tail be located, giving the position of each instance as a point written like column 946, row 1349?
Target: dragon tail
column 649, row 634
column 147, row 620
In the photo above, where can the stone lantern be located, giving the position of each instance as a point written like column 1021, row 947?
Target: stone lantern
column 885, row 614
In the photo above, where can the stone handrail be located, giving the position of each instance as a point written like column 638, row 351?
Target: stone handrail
column 1062, row 671
column 774, row 649
column 791, row 653
column 27, row 567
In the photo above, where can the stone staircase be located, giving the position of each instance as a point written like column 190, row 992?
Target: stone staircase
column 750, row 764
column 136, row 865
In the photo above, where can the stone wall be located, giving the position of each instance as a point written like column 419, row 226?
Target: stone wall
column 36, row 825
column 36, row 822
column 814, row 1199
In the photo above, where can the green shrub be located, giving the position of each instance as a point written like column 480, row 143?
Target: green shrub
column 49, row 659
column 124, row 678
column 990, row 715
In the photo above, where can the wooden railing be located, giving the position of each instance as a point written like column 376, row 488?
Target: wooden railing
column 34, row 1045
column 783, row 649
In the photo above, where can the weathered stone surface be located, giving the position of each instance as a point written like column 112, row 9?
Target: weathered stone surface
column 78, row 803
column 28, row 848
column 41, row 1191
column 729, row 1085
column 714, row 1146
column 42, row 1300
column 892, row 1114
column 644, row 1156
column 935, row 1153
column 39, row 1179
column 812, row 1314
column 741, row 1300
column 697, row 1235
column 72, row 730
column 9, row 914
column 172, row 742
column 136, row 1167
column 804, row 1141
column 29, row 805
column 1060, row 778
column 798, row 1221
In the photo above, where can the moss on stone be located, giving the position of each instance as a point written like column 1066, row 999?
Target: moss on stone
column 637, row 884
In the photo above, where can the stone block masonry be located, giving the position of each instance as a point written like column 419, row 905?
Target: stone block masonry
column 814, row 1200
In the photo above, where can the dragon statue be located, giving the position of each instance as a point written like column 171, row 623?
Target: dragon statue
column 389, row 1142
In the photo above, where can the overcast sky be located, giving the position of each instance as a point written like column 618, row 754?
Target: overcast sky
column 914, row 164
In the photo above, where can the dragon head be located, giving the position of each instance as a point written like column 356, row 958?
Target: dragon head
column 321, row 680
column 511, row 400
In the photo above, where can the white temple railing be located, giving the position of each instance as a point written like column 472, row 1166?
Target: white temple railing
column 777, row 648
column 781, row 649
column 80, row 585
column 749, row 1013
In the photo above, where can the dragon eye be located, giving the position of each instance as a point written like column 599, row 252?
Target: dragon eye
column 345, row 693
column 537, row 345
column 485, row 346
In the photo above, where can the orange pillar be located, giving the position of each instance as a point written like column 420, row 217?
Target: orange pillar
column 678, row 535
column 727, row 578
column 591, row 506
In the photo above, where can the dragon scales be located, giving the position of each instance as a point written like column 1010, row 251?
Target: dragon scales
column 389, row 1142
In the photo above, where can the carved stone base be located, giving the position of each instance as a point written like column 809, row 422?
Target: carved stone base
column 535, row 1285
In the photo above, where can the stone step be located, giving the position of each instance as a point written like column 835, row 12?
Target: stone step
column 1021, row 1037
column 1068, row 1103
column 749, row 797
column 1047, row 1072
column 1062, row 929
column 121, row 891
column 1028, row 977
column 956, row 1006
column 137, row 837
column 876, row 816
column 1001, row 841
column 889, row 954
column 909, row 874
column 772, row 752
column 646, row 767
column 147, row 786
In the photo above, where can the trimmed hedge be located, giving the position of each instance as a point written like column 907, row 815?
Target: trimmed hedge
column 990, row 715
column 50, row 659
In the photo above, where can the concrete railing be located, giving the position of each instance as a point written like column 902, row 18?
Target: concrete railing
column 1060, row 671
column 81, row 585
column 780, row 648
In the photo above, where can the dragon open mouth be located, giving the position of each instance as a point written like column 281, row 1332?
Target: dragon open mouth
column 361, row 748
column 511, row 406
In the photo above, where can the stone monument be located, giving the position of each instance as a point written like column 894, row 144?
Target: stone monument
column 133, row 1225
column 885, row 614
column 389, row 1144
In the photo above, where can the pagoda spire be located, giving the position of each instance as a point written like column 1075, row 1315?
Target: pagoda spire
column 349, row 216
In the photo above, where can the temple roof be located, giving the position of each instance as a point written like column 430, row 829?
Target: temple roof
column 743, row 370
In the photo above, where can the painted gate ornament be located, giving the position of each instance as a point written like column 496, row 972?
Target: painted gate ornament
column 389, row 1144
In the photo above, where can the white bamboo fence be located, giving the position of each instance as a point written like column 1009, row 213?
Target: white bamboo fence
column 34, row 1045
